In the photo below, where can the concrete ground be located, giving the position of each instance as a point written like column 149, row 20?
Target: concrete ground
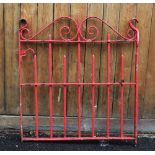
column 11, row 141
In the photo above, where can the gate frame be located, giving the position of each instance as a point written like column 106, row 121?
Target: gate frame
column 79, row 39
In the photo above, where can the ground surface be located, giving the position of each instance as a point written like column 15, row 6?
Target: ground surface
column 12, row 142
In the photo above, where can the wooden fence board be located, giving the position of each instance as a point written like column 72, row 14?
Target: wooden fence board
column 149, row 100
column 58, row 56
column 127, row 12
column 78, row 11
column 144, row 13
column 92, row 49
column 113, row 18
column 2, row 60
column 111, row 14
column 29, row 12
column 11, row 16
column 42, row 54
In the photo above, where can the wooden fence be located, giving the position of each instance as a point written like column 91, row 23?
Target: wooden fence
column 117, row 15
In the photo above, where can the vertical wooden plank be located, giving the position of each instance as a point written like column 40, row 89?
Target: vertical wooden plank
column 58, row 54
column 11, row 21
column 111, row 14
column 149, row 98
column 45, row 16
column 29, row 12
column 93, row 10
column 127, row 12
column 144, row 15
column 78, row 11
column 1, row 59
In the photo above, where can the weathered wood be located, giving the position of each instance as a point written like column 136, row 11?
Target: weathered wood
column 127, row 12
column 45, row 16
column 39, row 15
column 92, row 49
column 149, row 98
column 144, row 14
column 2, row 70
column 78, row 11
column 11, row 16
column 112, row 17
column 29, row 12
column 59, row 50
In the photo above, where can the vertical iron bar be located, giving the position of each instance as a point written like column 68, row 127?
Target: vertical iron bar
column 122, row 98
column 36, row 93
column 20, row 81
column 79, row 87
column 65, row 96
column 93, row 97
column 136, row 95
column 50, row 86
column 108, row 89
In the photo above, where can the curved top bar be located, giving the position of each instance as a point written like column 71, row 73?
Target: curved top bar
column 134, row 28
column 104, row 22
column 24, row 28
column 91, row 30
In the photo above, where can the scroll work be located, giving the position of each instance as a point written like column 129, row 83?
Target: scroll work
column 70, row 29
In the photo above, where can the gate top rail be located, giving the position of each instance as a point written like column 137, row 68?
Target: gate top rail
column 70, row 33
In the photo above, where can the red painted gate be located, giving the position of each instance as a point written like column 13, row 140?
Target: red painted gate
column 78, row 39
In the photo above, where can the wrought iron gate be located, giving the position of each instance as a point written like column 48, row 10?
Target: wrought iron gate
column 78, row 39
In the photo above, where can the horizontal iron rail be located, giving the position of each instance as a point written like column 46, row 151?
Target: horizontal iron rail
column 75, row 41
column 76, row 138
column 76, row 84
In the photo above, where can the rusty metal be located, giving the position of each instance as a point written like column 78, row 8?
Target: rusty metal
column 78, row 38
